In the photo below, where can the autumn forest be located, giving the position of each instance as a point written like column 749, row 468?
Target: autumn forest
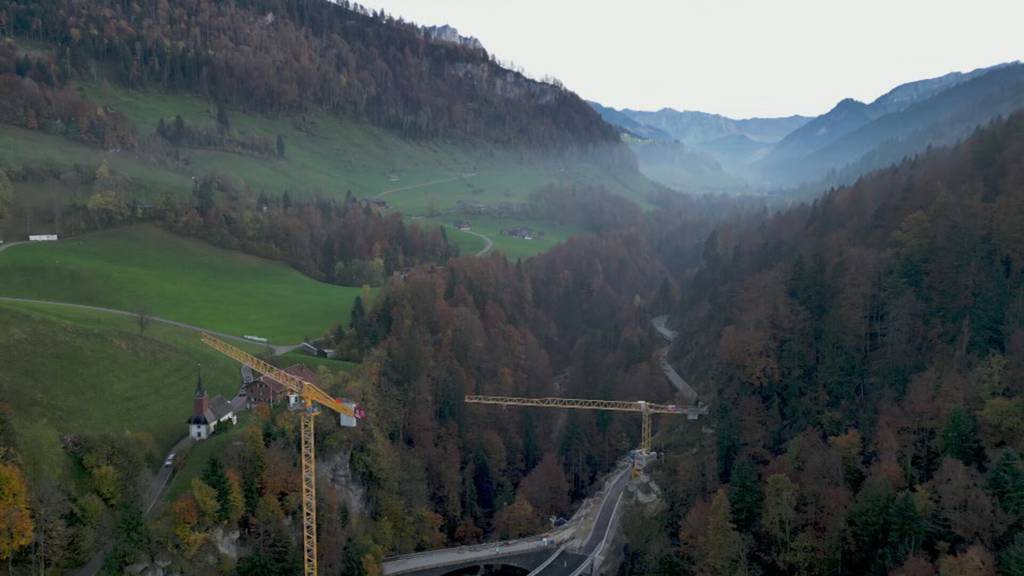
column 860, row 351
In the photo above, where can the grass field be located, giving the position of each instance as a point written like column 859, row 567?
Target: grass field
column 325, row 155
column 77, row 371
column 176, row 278
column 513, row 248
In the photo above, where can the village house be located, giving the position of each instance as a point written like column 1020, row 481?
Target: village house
column 207, row 412
column 374, row 203
column 266, row 390
column 524, row 233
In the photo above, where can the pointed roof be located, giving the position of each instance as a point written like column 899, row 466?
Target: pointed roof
column 200, row 391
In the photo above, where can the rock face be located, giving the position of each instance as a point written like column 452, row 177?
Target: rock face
column 446, row 33
column 339, row 474
column 226, row 542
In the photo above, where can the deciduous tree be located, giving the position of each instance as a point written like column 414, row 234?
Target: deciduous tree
column 16, row 525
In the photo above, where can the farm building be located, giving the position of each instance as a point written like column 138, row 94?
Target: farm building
column 524, row 233
column 266, row 390
column 207, row 412
column 313, row 349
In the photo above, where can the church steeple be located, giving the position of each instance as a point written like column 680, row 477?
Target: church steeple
column 200, row 403
column 200, row 391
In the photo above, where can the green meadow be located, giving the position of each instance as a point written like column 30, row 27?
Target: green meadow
column 181, row 279
column 71, row 371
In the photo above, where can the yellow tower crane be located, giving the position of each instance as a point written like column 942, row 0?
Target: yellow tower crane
column 644, row 408
column 312, row 397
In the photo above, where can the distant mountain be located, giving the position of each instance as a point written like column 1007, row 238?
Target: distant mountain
column 849, row 114
column 854, row 137
column 835, row 148
column 695, row 128
column 628, row 125
column 699, row 151
column 846, row 117
column 771, row 129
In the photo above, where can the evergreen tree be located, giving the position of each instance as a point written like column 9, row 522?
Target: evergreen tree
column 179, row 129
column 24, row 66
column 223, row 123
column 727, row 441
column 357, row 320
column 280, row 146
column 745, row 495
column 215, row 477
column 1011, row 560
column 1006, row 483
column 6, row 194
column 960, row 438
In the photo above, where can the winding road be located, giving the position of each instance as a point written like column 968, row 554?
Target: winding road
column 277, row 348
column 487, row 240
column 660, row 324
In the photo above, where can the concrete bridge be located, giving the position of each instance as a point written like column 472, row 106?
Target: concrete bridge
column 564, row 552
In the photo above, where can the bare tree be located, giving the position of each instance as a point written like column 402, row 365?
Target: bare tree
column 142, row 317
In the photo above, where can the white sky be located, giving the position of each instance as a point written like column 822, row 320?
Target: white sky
column 740, row 58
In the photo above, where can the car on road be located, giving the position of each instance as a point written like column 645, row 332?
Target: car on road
column 170, row 460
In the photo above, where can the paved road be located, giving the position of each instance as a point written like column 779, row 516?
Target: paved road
column 604, row 517
column 7, row 245
column 487, row 240
column 660, row 324
column 411, row 563
column 278, row 349
column 568, row 560
column 487, row 553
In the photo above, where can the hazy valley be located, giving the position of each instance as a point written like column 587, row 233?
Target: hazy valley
column 303, row 287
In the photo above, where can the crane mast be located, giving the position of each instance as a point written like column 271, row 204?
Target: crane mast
column 644, row 408
column 312, row 397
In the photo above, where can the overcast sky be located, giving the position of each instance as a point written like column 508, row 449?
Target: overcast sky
column 740, row 58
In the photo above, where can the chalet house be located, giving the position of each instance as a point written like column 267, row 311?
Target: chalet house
column 266, row 390
column 207, row 412
column 373, row 203
column 313, row 349
column 524, row 233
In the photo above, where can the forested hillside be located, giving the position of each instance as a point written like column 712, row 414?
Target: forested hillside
column 864, row 357
column 424, row 470
column 273, row 56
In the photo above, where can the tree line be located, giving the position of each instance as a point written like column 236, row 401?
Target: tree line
column 274, row 56
column 35, row 98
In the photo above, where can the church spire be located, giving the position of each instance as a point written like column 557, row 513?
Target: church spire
column 200, row 391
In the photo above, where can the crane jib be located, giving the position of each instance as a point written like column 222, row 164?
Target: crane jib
column 313, row 396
